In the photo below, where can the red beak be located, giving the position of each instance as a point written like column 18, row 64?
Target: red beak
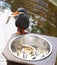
column 15, row 13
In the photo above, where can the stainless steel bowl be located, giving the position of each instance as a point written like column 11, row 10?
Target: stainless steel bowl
column 30, row 47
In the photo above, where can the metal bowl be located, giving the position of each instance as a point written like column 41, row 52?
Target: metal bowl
column 30, row 47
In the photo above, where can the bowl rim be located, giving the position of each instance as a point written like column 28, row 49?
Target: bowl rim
column 31, row 34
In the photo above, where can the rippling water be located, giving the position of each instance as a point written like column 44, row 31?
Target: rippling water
column 42, row 22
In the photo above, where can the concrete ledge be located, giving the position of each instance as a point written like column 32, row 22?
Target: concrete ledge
column 47, row 61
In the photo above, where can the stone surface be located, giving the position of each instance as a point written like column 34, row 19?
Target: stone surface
column 47, row 61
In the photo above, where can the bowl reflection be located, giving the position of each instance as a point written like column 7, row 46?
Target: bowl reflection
column 30, row 47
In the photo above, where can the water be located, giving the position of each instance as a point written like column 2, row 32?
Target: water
column 4, row 5
column 38, row 24
column 6, row 30
column 43, row 17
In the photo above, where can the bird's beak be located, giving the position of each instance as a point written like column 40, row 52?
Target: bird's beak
column 15, row 13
